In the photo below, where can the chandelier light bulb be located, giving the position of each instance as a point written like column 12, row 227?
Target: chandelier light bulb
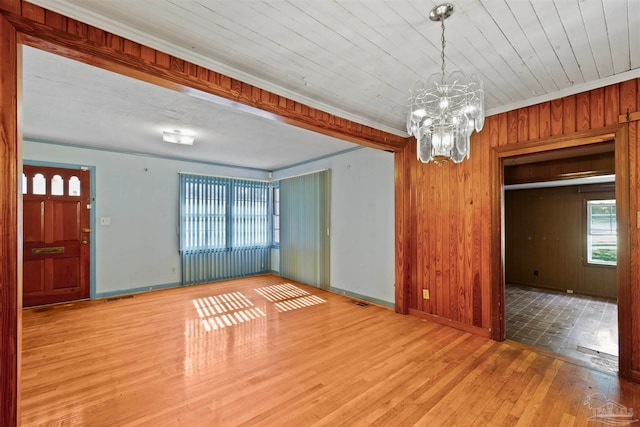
column 419, row 113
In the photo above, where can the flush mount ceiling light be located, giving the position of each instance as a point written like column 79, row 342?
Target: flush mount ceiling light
column 177, row 137
column 444, row 112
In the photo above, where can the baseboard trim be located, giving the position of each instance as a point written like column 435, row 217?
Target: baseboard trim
column 453, row 323
column 376, row 301
column 137, row 290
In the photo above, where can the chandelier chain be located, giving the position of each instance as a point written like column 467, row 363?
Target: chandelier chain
column 443, row 43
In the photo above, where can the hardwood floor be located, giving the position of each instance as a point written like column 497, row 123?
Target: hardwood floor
column 162, row 358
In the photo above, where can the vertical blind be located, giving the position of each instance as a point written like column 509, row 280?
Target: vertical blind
column 225, row 228
column 304, row 228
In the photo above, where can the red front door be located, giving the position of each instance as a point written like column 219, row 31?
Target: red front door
column 56, row 235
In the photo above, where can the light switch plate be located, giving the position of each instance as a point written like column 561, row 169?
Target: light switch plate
column 105, row 220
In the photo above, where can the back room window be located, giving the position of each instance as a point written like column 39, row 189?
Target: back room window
column 602, row 239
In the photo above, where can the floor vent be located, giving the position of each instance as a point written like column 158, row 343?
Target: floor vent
column 41, row 309
column 118, row 298
column 359, row 303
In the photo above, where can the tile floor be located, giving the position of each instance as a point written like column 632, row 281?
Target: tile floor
column 580, row 327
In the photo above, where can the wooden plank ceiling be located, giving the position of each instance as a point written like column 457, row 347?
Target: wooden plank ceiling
column 359, row 59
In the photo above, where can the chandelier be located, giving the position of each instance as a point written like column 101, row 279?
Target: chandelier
column 444, row 113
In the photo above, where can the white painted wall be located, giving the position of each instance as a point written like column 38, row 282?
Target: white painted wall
column 362, row 220
column 140, row 195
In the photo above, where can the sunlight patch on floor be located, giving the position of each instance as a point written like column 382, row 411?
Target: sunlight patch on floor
column 287, row 297
column 225, row 310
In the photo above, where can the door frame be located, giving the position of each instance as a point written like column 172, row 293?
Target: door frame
column 92, row 212
column 619, row 135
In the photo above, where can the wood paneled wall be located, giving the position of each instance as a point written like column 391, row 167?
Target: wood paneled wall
column 545, row 241
column 448, row 227
column 443, row 221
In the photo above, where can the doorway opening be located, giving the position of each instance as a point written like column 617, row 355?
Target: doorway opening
column 560, row 251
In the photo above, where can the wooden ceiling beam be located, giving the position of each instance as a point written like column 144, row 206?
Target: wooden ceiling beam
column 55, row 33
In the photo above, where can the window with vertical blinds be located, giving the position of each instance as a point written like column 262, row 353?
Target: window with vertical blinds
column 225, row 227
column 204, row 213
column 305, row 207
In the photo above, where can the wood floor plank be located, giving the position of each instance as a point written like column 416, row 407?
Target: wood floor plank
column 564, row 404
column 177, row 357
column 484, row 407
column 534, row 408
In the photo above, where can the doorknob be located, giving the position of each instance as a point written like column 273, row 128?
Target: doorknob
column 84, row 241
